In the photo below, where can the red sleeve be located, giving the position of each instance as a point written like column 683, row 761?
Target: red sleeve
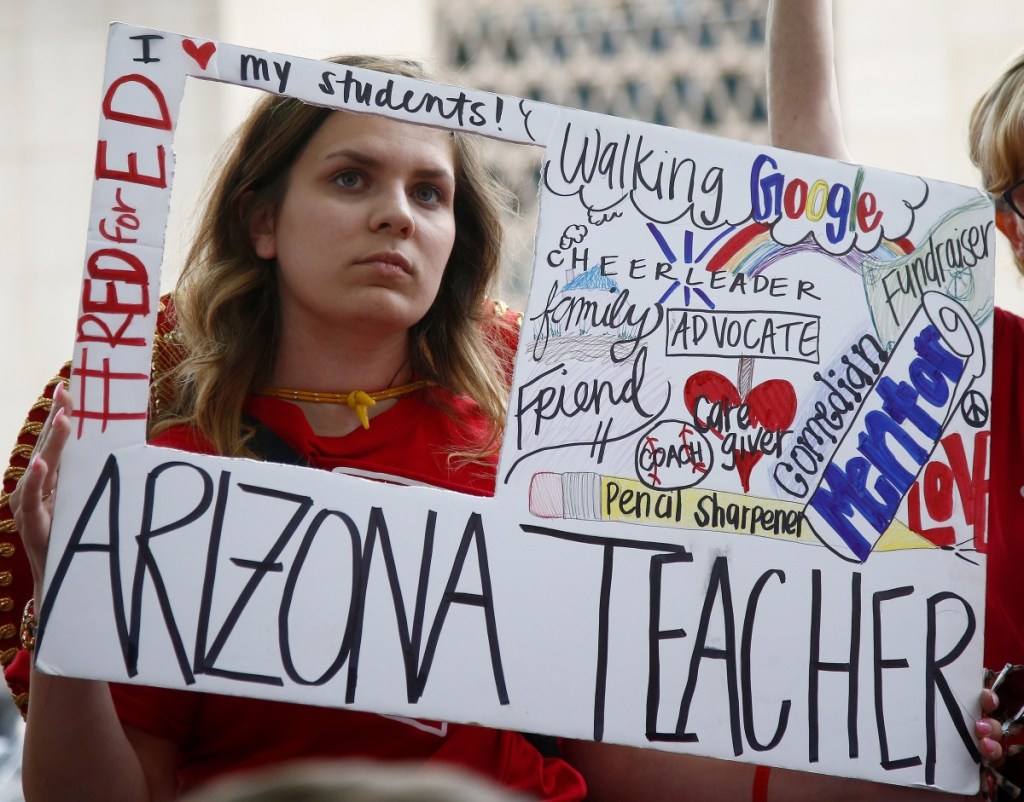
column 161, row 712
column 1004, row 607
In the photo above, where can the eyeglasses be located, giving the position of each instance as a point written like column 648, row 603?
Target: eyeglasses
column 1013, row 198
column 1005, row 782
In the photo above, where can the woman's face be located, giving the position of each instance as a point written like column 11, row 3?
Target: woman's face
column 365, row 228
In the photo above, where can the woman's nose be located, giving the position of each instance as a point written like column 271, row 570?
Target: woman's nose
column 392, row 212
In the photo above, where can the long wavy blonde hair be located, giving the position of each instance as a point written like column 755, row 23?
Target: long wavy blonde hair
column 227, row 299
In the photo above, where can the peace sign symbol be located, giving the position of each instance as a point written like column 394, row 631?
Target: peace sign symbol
column 974, row 408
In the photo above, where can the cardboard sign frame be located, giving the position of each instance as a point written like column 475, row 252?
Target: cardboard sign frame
column 802, row 556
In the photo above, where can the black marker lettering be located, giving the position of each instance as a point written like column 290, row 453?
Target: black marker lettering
column 145, row 563
column 259, row 568
column 817, row 665
column 145, row 39
column 474, row 533
column 881, row 664
column 748, row 689
column 353, row 622
column 718, row 587
column 655, row 636
column 935, row 680
column 108, row 483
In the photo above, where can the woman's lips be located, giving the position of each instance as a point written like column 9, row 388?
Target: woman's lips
column 388, row 258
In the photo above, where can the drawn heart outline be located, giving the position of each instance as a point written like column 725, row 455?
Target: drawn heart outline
column 770, row 404
column 200, row 54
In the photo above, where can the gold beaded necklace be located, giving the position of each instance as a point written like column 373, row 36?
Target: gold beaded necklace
column 356, row 400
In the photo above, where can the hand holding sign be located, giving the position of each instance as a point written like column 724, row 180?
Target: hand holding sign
column 32, row 500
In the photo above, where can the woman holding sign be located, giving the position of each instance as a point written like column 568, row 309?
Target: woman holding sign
column 333, row 312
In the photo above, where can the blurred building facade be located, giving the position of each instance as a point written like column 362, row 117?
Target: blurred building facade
column 696, row 64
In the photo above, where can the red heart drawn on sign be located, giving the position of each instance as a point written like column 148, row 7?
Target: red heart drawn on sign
column 200, row 53
column 771, row 405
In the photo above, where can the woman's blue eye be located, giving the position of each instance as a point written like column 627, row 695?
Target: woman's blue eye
column 428, row 194
column 349, row 179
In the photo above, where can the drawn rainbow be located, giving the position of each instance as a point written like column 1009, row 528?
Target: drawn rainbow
column 750, row 250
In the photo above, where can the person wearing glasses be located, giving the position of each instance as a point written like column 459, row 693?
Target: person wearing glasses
column 804, row 115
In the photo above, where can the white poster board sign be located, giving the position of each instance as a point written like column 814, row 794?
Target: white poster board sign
column 743, row 479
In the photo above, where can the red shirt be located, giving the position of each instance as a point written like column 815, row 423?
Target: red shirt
column 1004, row 612
column 220, row 734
